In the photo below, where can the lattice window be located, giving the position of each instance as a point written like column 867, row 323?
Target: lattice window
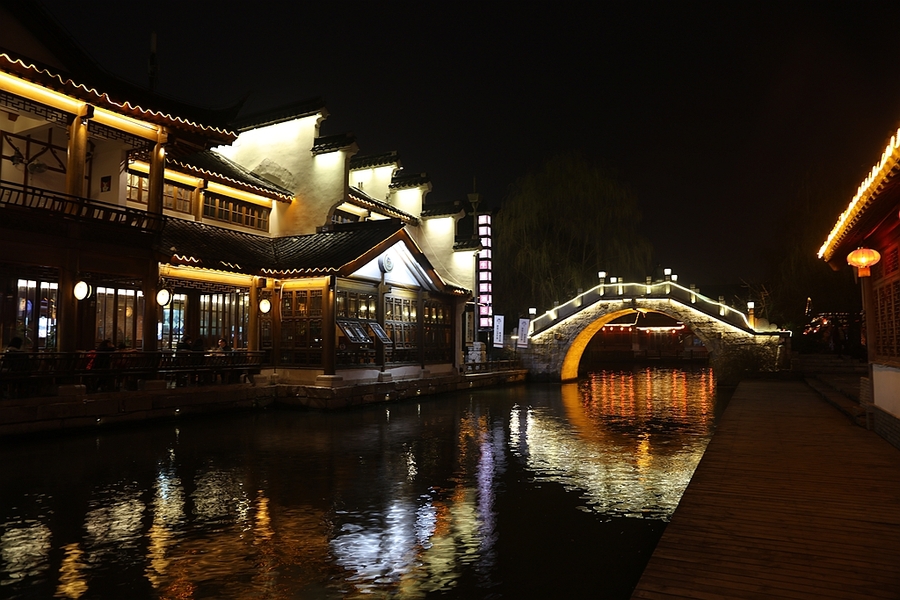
column 887, row 321
column 301, row 327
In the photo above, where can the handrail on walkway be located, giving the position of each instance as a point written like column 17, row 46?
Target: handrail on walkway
column 493, row 366
column 27, row 374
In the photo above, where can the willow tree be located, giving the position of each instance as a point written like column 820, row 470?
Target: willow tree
column 557, row 228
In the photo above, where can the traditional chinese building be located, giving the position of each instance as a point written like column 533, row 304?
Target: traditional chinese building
column 130, row 217
column 867, row 235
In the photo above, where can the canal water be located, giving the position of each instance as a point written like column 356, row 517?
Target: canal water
column 528, row 491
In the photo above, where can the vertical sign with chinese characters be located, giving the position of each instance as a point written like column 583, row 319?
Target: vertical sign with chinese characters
column 522, row 342
column 498, row 331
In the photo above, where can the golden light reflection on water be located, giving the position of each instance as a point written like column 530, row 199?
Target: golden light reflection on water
column 630, row 441
column 72, row 582
column 408, row 512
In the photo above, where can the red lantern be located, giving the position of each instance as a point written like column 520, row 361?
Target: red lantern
column 862, row 259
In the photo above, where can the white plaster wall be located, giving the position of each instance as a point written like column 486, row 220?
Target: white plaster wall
column 281, row 154
column 374, row 180
column 400, row 275
column 886, row 387
column 436, row 238
column 109, row 160
column 409, row 200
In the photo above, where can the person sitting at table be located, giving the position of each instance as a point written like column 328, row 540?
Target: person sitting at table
column 15, row 344
column 223, row 346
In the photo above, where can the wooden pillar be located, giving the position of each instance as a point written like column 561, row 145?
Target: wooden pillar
column 253, row 317
column 380, row 354
column 420, row 327
column 150, row 285
column 868, row 299
column 76, row 154
column 67, row 326
column 157, row 178
column 329, row 339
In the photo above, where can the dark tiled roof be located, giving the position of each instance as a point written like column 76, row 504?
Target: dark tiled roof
column 83, row 78
column 467, row 244
column 329, row 251
column 402, row 179
column 212, row 163
column 292, row 111
column 209, row 247
column 375, row 160
column 357, row 197
column 441, row 209
column 330, row 143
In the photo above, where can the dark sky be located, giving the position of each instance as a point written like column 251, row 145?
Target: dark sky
column 713, row 113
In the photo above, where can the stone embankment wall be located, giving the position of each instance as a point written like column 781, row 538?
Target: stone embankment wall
column 79, row 411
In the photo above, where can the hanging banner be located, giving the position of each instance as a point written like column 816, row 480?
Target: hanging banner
column 470, row 327
column 498, row 331
column 522, row 342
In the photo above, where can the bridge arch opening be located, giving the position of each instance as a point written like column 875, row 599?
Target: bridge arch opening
column 647, row 333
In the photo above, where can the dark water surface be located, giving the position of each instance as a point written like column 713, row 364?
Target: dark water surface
column 530, row 491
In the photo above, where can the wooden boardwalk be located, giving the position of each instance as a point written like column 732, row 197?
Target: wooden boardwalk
column 791, row 500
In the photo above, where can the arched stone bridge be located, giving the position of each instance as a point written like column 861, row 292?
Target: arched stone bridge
column 559, row 337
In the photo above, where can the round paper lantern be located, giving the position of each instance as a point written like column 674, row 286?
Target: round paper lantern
column 862, row 259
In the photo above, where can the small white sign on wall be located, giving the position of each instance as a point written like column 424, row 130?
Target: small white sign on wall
column 498, row 331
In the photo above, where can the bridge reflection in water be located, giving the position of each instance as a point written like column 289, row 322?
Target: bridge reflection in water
column 629, row 441
column 456, row 496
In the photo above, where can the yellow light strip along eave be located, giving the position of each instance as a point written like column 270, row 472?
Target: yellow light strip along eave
column 218, row 188
column 863, row 196
column 142, row 167
column 196, row 274
column 219, row 175
column 102, row 97
column 53, row 99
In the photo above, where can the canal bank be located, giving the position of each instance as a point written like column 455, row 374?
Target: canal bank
column 74, row 409
column 790, row 500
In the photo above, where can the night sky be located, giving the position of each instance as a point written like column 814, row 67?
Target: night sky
column 715, row 114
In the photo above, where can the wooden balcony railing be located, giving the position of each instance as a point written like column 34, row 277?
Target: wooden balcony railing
column 76, row 207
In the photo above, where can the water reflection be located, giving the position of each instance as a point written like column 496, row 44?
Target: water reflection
column 403, row 501
column 629, row 441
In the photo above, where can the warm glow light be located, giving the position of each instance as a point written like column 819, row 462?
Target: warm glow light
column 82, row 290
column 218, row 188
column 265, row 306
column 143, row 167
column 60, row 101
column 864, row 194
column 163, row 297
column 862, row 259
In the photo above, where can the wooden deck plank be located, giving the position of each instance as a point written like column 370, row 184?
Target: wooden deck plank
column 791, row 500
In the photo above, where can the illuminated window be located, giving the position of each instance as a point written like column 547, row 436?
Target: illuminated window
column 484, row 276
column 138, row 188
column 484, row 287
column 485, row 230
column 485, row 299
column 486, row 242
column 220, row 208
column 177, row 197
column 486, row 323
column 484, row 265
column 486, row 253
column 484, row 310
column 484, row 219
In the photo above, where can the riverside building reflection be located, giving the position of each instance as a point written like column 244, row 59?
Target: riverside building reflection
column 405, row 501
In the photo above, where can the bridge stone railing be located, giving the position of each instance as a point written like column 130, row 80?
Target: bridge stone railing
column 627, row 291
